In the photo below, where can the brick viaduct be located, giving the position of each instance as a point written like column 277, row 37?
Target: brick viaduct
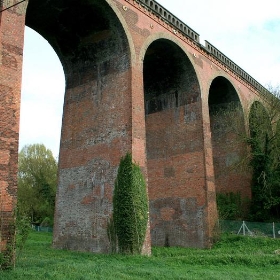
column 137, row 80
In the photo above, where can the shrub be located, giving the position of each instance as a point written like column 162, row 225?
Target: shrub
column 130, row 208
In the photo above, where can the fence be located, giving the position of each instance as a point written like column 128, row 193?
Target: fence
column 237, row 227
column 42, row 229
column 251, row 228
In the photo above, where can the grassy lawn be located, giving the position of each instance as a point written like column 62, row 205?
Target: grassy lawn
column 234, row 257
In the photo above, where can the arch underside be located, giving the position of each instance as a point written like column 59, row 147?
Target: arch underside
column 174, row 147
column 228, row 134
column 96, row 128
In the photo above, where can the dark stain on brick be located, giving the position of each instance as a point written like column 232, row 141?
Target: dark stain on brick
column 12, row 49
column 169, row 172
column 9, row 60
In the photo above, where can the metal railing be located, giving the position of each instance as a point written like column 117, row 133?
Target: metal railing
column 165, row 15
column 235, row 68
column 42, row 229
column 157, row 9
column 251, row 228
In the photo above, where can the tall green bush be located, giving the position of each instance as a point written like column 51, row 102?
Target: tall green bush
column 130, row 207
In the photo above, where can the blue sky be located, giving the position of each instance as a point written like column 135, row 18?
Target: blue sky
column 248, row 32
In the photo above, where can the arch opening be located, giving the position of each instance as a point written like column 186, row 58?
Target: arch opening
column 169, row 78
column 222, row 95
column 174, row 145
column 229, row 149
column 91, row 43
column 42, row 93
column 84, row 35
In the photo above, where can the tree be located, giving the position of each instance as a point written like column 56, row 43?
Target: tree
column 130, row 207
column 261, row 155
column 265, row 157
column 37, row 179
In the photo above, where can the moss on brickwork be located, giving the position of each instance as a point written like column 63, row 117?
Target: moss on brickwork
column 7, row 253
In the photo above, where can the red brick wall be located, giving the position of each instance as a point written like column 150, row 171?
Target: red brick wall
column 11, row 49
column 96, row 132
column 228, row 134
column 176, row 178
column 230, row 155
column 104, row 117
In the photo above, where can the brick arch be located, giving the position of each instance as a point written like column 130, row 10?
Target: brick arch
column 266, row 102
column 97, row 53
column 89, row 179
column 232, row 92
column 174, row 145
column 235, row 88
column 227, row 124
column 108, row 4
column 166, row 36
column 169, row 77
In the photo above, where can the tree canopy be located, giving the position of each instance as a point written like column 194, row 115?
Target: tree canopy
column 37, row 180
column 262, row 156
column 265, row 157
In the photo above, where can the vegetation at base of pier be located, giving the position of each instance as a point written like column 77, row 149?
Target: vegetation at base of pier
column 128, row 226
column 7, row 256
column 233, row 257
column 37, row 179
column 17, row 236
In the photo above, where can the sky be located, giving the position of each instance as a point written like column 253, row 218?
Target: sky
column 246, row 31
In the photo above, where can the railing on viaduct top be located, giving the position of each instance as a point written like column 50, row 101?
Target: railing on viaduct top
column 165, row 15
column 154, row 7
column 235, row 68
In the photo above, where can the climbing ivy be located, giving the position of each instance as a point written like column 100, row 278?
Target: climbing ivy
column 22, row 232
column 7, row 256
column 265, row 162
column 18, row 232
column 130, row 208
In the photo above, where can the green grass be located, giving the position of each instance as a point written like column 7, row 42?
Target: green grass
column 234, row 257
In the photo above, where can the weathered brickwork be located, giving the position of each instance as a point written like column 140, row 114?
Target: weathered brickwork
column 137, row 80
column 228, row 131
column 11, row 49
